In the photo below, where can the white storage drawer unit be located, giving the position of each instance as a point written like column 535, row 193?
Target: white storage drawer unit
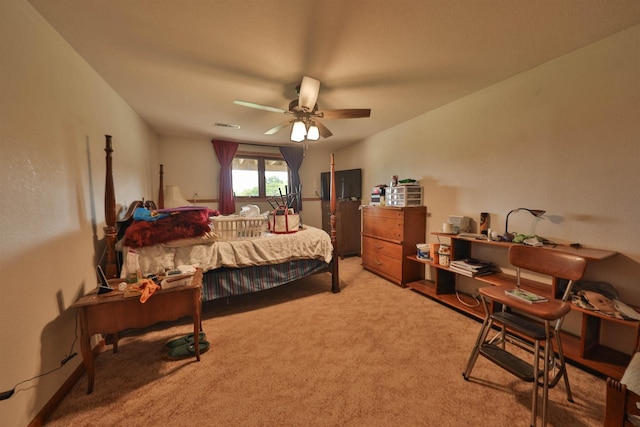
column 404, row 195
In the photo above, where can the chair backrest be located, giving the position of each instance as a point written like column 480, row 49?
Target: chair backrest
column 560, row 265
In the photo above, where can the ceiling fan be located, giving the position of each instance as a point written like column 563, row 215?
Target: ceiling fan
column 305, row 113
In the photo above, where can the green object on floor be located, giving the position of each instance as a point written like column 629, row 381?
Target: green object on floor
column 186, row 339
column 187, row 350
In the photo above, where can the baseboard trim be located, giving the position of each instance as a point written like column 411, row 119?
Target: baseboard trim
column 66, row 387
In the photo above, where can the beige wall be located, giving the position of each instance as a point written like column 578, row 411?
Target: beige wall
column 563, row 137
column 55, row 111
column 202, row 175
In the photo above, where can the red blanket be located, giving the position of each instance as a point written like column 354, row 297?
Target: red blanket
column 179, row 225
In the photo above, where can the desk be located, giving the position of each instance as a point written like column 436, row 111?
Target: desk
column 113, row 314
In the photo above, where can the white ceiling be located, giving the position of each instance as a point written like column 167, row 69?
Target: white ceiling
column 181, row 63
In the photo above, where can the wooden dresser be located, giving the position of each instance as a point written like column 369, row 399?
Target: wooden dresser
column 389, row 235
column 347, row 225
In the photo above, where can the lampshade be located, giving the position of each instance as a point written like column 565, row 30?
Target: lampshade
column 535, row 212
column 173, row 197
column 298, row 131
column 314, row 133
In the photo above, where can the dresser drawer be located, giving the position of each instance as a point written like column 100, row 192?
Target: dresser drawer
column 380, row 247
column 381, row 212
column 389, row 235
column 384, row 223
column 388, row 267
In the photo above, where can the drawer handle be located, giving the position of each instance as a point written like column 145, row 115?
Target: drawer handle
column 378, row 246
column 377, row 262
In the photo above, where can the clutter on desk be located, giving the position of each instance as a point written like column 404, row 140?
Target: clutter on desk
column 399, row 192
column 444, row 255
column 461, row 224
column 404, row 195
column 472, row 267
column 424, row 251
column 378, row 195
column 181, row 277
column 603, row 298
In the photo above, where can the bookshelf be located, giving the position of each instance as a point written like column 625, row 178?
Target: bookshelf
column 584, row 349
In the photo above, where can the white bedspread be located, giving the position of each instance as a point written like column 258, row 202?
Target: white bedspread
column 631, row 377
column 310, row 242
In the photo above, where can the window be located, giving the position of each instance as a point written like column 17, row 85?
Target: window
column 259, row 175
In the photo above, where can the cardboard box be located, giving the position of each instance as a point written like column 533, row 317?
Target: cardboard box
column 434, row 247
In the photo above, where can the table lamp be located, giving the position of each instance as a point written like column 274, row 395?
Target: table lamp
column 509, row 236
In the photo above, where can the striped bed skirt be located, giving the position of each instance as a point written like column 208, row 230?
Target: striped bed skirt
column 225, row 282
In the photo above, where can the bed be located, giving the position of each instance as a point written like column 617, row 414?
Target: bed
column 231, row 267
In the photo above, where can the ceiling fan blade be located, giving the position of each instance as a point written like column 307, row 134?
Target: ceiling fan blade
column 260, row 107
column 278, row 128
column 324, row 132
column 353, row 113
column 309, row 89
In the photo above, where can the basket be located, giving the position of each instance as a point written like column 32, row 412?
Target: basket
column 238, row 228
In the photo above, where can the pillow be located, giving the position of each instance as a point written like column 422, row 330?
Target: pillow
column 179, row 225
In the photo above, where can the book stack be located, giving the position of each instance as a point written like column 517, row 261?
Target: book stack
column 471, row 267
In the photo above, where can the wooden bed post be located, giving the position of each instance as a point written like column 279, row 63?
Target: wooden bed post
column 111, row 230
column 335, row 279
column 161, row 190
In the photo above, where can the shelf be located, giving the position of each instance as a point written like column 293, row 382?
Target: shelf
column 509, row 281
column 605, row 360
column 428, row 288
column 587, row 253
column 497, row 279
column 585, row 351
column 601, row 359
column 630, row 323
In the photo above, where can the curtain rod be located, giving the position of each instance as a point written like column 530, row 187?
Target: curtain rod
column 250, row 143
column 259, row 145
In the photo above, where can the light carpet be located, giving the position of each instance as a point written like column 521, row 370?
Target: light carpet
column 374, row 354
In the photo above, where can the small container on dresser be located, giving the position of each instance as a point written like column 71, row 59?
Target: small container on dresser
column 404, row 195
column 389, row 235
column 444, row 255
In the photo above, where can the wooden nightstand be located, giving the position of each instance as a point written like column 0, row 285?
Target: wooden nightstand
column 113, row 314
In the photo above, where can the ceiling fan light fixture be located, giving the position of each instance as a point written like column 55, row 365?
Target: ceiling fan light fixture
column 305, row 114
column 313, row 134
column 298, row 131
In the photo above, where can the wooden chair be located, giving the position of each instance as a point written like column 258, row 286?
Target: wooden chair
column 529, row 326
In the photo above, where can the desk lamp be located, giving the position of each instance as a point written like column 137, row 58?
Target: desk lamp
column 509, row 236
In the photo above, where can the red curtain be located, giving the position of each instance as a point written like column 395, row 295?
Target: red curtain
column 225, row 151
